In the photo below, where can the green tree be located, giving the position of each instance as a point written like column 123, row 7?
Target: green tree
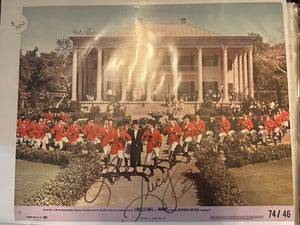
column 46, row 73
column 269, row 70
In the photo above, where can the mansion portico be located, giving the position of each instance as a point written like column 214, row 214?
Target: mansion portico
column 145, row 62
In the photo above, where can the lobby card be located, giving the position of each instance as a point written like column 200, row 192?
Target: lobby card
column 154, row 111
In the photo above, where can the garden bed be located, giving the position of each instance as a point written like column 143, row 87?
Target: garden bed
column 214, row 159
column 79, row 171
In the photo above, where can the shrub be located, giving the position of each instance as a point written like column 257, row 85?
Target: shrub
column 239, row 151
column 74, row 106
column 218, row 183
column 82, row 168
column 60, row 158
column 214, row 158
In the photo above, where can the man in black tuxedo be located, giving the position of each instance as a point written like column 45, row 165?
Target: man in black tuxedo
column 137, row 146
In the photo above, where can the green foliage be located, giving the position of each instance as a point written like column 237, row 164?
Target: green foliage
column 208, row 107
column 74, row 106
column 213, row 159
column 218, row 183
column 82, row 168
column 95, row 111
column 46, row 73
column 269, row 70
column 60, row 158
column 239, row 151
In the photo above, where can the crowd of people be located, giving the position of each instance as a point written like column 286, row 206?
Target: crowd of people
column 124, row 140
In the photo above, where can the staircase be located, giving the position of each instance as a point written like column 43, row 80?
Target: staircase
column 140, row 110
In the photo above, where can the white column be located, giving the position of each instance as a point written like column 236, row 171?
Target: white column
column 99, row 75
column 148, row 88
column 200, row 76
column 124, row 87
column 245, row 75
column 80, row 76
column 250, row 66
column 236, row 73
column 240, row 72
column 175, row 72
column 225, row 76
column 74, row 76
column 85, row 76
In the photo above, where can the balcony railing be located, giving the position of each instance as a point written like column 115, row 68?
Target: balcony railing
column 180, row 68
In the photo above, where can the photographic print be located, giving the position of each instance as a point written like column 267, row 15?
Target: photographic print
column 153, row 112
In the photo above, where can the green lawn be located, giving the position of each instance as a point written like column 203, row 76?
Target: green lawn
column 30, row 177
column 266, row 183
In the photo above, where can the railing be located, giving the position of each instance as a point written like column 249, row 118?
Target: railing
column 180, row 68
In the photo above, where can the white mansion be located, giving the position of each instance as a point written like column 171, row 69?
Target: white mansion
column 145, row 62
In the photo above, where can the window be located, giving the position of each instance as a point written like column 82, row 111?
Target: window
column 165, row 60
column 186, row 60
column 186, row 63
column 229, row 65
column 210, row 60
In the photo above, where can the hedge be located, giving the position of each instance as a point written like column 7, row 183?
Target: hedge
column 213, row 159
column 218, row 183
column 71, row 183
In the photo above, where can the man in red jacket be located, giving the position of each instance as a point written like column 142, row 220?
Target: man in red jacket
column 267, row 129
column 113, row 144
column 154, row 139
column 174, row 133
column 199, row 128
column 92, row 131
column 123, row 140
column 48, row 116
column 22, row 130
column 269, row 124
column 107, row 137
column 285, row 118
column 188, row 130
column 32, row 131
column 74, row 132
column 59, row 130
column 246, row 124
column 64, row 116
column 224, row 125
column 41, row 130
